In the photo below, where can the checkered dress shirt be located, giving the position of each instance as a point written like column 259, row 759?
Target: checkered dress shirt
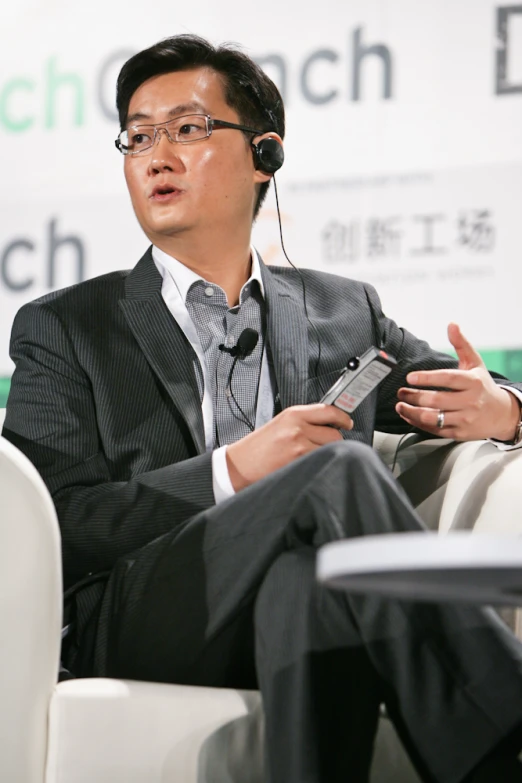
column 234, row 397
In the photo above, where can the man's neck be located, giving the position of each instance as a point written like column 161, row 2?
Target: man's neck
column 228, row 268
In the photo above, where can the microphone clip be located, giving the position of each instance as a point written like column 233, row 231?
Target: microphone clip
column 234, row 351
column 246, row 343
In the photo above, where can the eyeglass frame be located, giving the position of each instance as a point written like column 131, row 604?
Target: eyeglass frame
column 210, row 122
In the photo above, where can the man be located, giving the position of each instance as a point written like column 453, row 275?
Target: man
column 199, row 480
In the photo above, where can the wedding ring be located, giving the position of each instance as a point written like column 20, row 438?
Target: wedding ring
column 440, row 420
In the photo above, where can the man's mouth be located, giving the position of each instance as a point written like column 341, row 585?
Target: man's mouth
column 164, row 193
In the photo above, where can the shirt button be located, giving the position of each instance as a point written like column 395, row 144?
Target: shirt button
column 209, row 291
column 230, row 341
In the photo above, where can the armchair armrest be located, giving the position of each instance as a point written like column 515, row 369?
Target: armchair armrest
column 469, row 486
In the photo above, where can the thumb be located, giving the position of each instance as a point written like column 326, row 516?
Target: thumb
column 467, row 355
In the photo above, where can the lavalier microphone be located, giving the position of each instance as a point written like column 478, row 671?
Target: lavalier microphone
column 246, row 343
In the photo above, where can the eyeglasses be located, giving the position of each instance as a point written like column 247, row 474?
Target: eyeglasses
column 182, row 130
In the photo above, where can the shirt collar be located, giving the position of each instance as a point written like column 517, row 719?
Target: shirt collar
column 184, row 277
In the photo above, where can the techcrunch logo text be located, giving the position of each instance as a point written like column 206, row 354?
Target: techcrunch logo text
column 58, row 98
column 62, row 97
column 50, row 260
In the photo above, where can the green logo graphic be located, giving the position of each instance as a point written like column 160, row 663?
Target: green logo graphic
column 4, row 390
column 63, row 91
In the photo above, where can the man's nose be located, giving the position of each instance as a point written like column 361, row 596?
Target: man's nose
column 164, row 153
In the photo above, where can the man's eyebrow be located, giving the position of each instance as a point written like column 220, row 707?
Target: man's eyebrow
column 176, row 111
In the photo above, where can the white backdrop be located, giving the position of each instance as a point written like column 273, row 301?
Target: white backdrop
column 403, row 151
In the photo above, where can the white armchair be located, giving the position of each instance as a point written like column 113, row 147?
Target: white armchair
column 102, row 730
column 109, row 731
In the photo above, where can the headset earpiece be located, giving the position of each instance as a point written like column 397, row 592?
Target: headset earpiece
column 268, row 155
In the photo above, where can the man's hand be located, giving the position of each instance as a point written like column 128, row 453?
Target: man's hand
column 291, row 434
column 474, row 408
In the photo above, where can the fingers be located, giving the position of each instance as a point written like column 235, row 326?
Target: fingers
column 457, row 380
column 320, row 436
column 468, row 356
column 320, row 414
column 437, row 400
column 427, row 419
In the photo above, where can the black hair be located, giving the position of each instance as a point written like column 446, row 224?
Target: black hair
column 248, row 90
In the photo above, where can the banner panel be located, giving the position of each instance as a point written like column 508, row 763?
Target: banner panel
column 403, row 156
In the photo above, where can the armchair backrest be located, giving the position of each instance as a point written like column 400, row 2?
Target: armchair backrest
column 30, row 615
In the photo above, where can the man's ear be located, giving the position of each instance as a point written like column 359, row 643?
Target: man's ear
column 268, row 153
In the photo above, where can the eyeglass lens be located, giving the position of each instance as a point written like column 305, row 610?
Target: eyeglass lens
column 190, row 127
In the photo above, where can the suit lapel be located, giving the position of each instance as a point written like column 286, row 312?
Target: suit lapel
column 287, row 333
column 162, row 341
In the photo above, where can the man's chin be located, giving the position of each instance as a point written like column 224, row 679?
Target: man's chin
column 164, row 228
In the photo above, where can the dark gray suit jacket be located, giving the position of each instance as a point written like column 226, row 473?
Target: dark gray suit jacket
column 104, row 399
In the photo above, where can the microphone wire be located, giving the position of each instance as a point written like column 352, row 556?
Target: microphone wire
column 228, row 389
column 301, row 277
column 230, row 394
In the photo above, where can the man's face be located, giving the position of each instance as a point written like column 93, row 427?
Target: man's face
column 212, row 180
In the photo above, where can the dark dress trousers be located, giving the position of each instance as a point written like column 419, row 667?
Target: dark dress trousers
column 105, row 403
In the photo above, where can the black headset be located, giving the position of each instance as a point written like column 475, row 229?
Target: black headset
column 268, row 155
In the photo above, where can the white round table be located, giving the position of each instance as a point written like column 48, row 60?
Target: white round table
column 483, row 569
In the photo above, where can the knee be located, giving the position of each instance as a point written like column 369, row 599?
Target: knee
column 348, row 468
column 350, row 457
column 350, row 453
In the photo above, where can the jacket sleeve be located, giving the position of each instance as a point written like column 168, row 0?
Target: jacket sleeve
column 51, row 417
